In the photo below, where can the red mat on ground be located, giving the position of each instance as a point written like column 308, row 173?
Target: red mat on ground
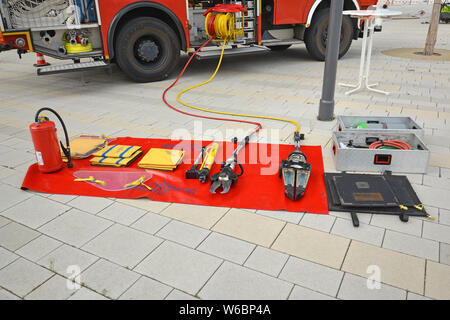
column 259, row 188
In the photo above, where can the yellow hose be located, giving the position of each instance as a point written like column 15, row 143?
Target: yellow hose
column 295, row 123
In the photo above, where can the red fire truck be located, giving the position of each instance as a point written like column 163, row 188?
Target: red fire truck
column 145, row 38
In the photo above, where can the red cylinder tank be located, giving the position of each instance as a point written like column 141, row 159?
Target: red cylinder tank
column 46, row 145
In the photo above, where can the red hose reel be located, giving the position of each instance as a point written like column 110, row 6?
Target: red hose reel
column 221, row 21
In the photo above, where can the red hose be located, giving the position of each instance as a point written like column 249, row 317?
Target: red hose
column 211, row 25
column 259, row 125
column 401, row 145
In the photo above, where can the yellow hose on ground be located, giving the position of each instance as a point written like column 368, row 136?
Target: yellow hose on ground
column 225, row 32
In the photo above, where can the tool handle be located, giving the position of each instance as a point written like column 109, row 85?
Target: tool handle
column 198, row 160
column 211, row 153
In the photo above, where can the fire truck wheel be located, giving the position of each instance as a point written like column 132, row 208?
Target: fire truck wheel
column 147, row 49
column 316, row 35
column 279, row 48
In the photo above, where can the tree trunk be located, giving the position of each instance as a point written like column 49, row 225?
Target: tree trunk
column 433, row 29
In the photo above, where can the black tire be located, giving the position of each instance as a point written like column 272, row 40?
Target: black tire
column 316, row 35
column 279, row 48
column 147, row 49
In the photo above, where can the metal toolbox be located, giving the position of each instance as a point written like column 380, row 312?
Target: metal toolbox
column 378, row 160
column 386, row 124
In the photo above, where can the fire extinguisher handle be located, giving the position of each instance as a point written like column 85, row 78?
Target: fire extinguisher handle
column 66, row 149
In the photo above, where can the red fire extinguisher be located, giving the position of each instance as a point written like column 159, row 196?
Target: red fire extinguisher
column 45, row 140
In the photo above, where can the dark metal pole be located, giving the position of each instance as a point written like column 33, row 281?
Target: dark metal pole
column 326, row 109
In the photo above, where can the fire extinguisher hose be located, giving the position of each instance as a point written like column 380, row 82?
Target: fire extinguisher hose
column 66, row 149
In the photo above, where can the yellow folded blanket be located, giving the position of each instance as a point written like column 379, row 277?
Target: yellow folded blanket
column 117, row 151
column 83, row 147
column 161, row 159
column 115, row 162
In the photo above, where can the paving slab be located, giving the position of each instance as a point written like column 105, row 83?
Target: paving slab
column 361, row 258
column 437, row 232
column 108, row 279
column 292, row 217
column 14, row 158
column 226, row 247
column 318, row 222
column 437, row 281
column 13, row 236
column 179, row 267
column 151, row 223
column 6, row 257
column 202, row 216
column 363, row 217
column 415, row 296
column 411, row 245
column 183, row 233
column 300, row 293
column 146, row 289
column 6, row 295
column 22, row 276
column 5, row 172
column 38, row 248
column 364, row 233
column 90, row 204
column 312, row 276
column 121, row 213
column 412, row 227
column 4, row 221
column 35, row 212
column 15, row 180
column 87, row 294
column 10, row 196
column 357, row 288
column 122, row 245
column 432, row 196
column 444, row 217
column 234, row 282
column 179, row 295
column 145, row 204
column 250, row 227
column 444, row 256
column 65, row 257
column 312, row 245
column 62, row 198
column 75, row 227
column 267, row 261
column 56, row 288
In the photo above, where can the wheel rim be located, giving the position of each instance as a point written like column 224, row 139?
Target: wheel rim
column 148, row 52
column 324, row 36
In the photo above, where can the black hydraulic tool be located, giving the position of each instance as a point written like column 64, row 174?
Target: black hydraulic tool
column 227, row 177
column 295, row 171
column 206, row 160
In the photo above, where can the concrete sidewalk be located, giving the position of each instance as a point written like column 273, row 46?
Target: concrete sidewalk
column 139, row 249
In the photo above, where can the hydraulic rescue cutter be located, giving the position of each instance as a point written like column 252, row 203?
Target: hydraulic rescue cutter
column 227, row 177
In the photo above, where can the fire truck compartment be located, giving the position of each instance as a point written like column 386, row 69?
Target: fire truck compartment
column 59, row 28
